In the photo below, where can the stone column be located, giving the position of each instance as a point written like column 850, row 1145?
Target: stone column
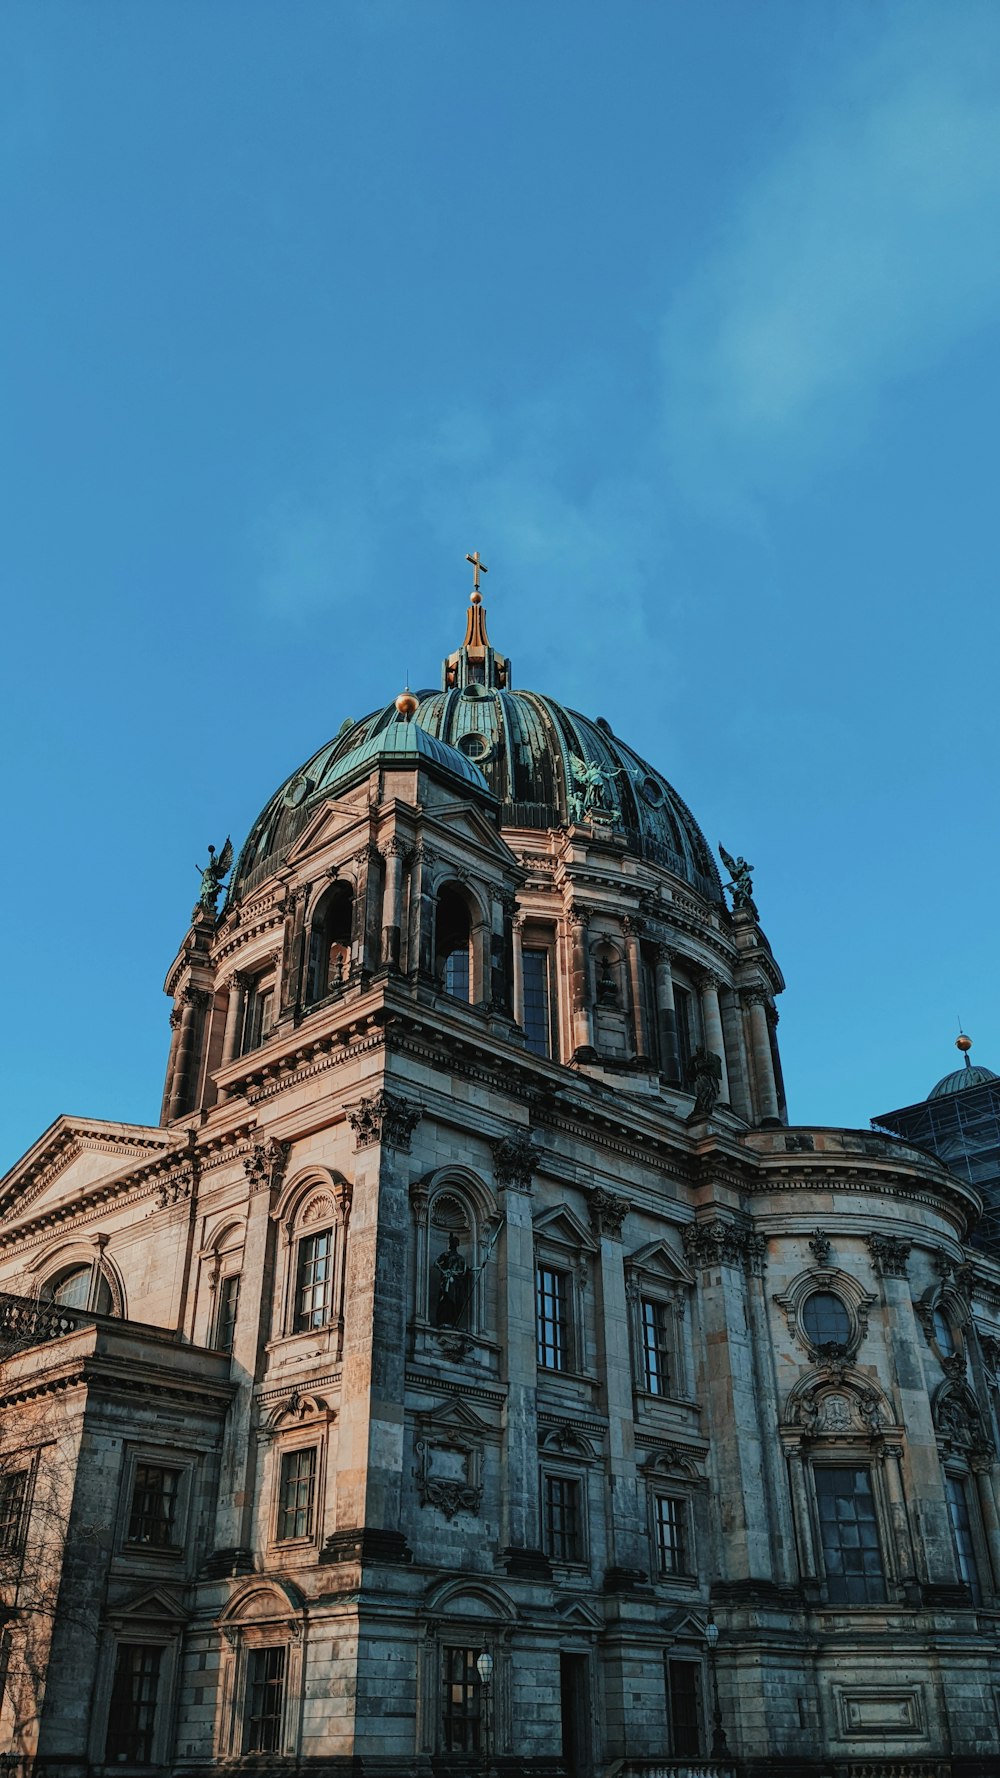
column 171, row 1074
column 581, row 998
column 520, row 1533
column 239, row 983
column 740, row 1097
column 288, row 992
column 392, row 898
column 984, row 1473
column 633, row 953
column 804, row 1539
column 892, row 1460
column 193, row 1003
column 666, row 1015
column 628, row 1542
column 768, row 1396
column 712, row 1021
column 767, row 1096
column 518, row 984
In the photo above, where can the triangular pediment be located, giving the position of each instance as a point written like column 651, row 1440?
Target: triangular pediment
column 329, row 823
column 74, row 1157
column 459, row 820
column 453, row 1415
column 658, row 1260
column 578, row 1612
column 562, row 1227
column 153, row 1605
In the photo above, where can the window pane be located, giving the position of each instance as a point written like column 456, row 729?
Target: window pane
column 154, row 1505
column 671, row 1555
column 684, row 1014
column 684, row 1700
column 456, row 973
column 461, row 1711
column 943, row 1335
column 13, row 1488
column 314, row 1280
column 132, row 1716
column 961, row 1531
column 656, row 1347
column 298, row 1490
column 826, row 1320
column 73, row 1289
column 550, row 1298
column 849, row 1535
column 229, row 1295
column 537, row 1019
column 563, row 1539
column 265, row 1700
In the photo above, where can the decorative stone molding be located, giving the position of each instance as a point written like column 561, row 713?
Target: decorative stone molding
column 723, row 1243
column 578, row 914
column 889, row 1254
column 200, row 997
column 991, row 1354
column 514, row 1161
column 172, row 1190
column 959, row 1422
column 820, row 1247
column 799, row 1144
column 264, row 1166
column 175, row 1017
column 384, row 1118
column 855, row 1300
column 607, row 1212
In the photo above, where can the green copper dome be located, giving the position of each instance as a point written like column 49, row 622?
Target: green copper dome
column 961, row 1080
column 544, row 764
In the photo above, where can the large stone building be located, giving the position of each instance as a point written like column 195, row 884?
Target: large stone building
column 474, row 1297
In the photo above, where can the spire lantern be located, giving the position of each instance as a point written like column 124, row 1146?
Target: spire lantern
column 477, row 661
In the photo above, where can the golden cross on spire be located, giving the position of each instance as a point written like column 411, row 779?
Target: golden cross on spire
column 477, row 566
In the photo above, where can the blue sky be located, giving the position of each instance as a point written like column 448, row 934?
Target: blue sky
column 685, row 315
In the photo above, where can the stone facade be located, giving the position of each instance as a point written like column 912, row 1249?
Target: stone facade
column 433, row 1321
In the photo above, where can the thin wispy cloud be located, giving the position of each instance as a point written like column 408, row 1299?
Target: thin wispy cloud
column 865, row 251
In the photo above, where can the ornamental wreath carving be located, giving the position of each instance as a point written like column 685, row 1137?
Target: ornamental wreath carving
column 514, row 1161
column 264, row 1166
column 819, row 1246
column 607, row 1212
column 889, row 1254
column 723, row 1243
column 384, row 1118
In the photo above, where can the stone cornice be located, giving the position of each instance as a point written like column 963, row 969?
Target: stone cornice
column 24, row 1183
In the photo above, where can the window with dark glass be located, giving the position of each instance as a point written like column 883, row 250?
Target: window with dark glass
column 671, row 1525
column 13, row 1492
column 297, row 1493
column 229, row 1296
column 78, row 1288
column 943, row 1336
column 562, row 1522
column 537, row 1001
column 552, row 1320
column 852, row 1554
column 684, row 1707
column 656, row 1346
column 684, row 1014
column 259, row 1016
column 132, row 1715
column 265, row 1700
column 153, row 1511
column 462, row 1701
column 825, row 1319
column 453, row 938
column 956, row 1494
column 329, row 961
column 314, row 1280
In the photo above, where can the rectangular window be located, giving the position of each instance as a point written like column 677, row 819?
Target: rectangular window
column 265, row 1700
column 456, row 973
column 563, row 1528
column 297, row 1493
column 670, row 1515
column 684, row 1013
column 537, row 1002
column 656, row 1346
column 684, row 1707
column 154, row 1505
column 848, row 1528
column 961, row 1532
column 314, row 1279
column 552, row 1319
column 259, row 1016
column 132, row 1716
column 461, row 1715
column 229, row 1296
column 13, row 1491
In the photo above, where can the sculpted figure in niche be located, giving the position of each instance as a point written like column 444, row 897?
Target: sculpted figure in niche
column 453, row 1285
column 704, row 1077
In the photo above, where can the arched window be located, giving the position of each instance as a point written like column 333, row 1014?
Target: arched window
column 329, row 963
column 81, row 1285
column 453, row 944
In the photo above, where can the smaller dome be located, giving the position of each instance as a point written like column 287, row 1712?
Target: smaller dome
column 961, row 1080
column 405, row 743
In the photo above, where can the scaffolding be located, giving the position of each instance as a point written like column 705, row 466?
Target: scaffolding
column 963, row 1130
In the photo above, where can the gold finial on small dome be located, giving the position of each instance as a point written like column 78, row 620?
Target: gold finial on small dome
column 407, row 704
column 962, row 1042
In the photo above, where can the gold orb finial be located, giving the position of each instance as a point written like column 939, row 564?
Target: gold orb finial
column 962, row 1042
column 407, row 704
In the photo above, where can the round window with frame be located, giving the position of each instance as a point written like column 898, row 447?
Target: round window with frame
column 827, row 1324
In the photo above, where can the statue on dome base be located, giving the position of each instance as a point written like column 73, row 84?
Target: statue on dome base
column 703, row 1076
column 587, row 803
column 212, row 874
column 741, row 885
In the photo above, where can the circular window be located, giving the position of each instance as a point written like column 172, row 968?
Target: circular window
column 651, row 792
column 826, row 1320
column 944, row 1339
column 474, row 746
column 473, row 691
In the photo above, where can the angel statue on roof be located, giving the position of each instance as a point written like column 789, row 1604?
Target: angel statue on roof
column 212, row 874
column 741, row 884
column 593, row 782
